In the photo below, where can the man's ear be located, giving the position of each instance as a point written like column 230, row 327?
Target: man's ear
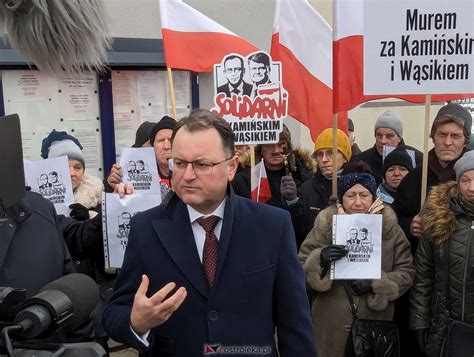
column 233, row 165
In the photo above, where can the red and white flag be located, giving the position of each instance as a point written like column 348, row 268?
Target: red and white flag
column 194, row 42
column 302, row 41
column 349, row 60
column 260, row 187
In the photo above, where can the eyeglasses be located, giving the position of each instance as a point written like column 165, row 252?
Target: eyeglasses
column 321, row 153
column 199, row 167
column 233, row 70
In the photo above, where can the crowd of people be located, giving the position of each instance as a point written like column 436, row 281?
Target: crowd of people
column 208, row 267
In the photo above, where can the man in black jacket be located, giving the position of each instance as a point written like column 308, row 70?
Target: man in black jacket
column 286, row 170
column 388, row 131
column 450, row 133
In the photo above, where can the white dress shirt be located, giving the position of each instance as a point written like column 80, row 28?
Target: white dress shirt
column 199, row 232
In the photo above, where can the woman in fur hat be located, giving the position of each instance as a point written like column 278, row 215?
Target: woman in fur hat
column 448, row 225
column 331, row 315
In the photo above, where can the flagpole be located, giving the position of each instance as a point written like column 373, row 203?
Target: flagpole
column 173, row 99
column 424, row 171
column 252, row 165
column 334, row 115
column 334, row 154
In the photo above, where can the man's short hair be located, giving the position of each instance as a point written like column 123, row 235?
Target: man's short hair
column 365, row 230
column 126, row 214
column 54, row 173
column 453, row 113
column 140, row 162
column 260, row 57
column 231, row 57
column 201, row 119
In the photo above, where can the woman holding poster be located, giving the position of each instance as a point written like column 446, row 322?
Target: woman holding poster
column 444, row 283
column 374, row 299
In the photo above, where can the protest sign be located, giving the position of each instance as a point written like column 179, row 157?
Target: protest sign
column 362, row 235
column 418, row 47
column 116, row 215
column 139, row 168
column 51, row 179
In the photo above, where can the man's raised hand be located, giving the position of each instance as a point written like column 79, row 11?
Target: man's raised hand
column 148, row 313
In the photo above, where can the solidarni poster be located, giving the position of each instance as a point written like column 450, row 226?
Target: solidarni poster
column 362, row 235
column 51, row 179
column 116, row 216
column 139, row 168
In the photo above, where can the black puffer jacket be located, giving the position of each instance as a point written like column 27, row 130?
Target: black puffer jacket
column 443, row 221
column 313, row 198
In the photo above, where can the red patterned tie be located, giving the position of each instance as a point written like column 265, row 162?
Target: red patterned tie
column 211, row 247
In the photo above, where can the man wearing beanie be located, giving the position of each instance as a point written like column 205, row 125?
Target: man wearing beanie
column 284, row 175
column 450, row 134
column 142, row 136
column 314, row 194
column 160, row 139
column 396, row 166
column 388, row 131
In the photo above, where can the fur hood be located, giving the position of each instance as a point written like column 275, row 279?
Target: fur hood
column 303, row 157
column 89, row 192
column 437, row 215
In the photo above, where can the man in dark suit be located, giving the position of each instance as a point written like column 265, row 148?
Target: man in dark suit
column 234, row 72
column 233, row 260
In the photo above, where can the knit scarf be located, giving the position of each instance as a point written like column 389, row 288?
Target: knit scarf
column 443, row 174
column 467, row 206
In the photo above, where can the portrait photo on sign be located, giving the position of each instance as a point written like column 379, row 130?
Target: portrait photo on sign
column 241, row 75
column 362, row 236
column 249, row 95
column 139, row 168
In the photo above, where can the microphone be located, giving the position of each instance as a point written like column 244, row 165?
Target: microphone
column 64, row 302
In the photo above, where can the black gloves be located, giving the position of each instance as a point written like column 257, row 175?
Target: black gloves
column 79, row 212
column 420, row 336
column 361, row 287
column 332, row 253
column 288, row 188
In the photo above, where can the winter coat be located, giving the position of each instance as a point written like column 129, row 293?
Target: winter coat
column 304, row 171
column 374, row 159
column 330, row 308
column 90, row 258
column 313, row 198
column 443, row 221
column 407, row 202
column 32, row 248
column 89, row 194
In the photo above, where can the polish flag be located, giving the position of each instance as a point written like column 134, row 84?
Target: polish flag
column 260, row 188
column 194, row 42
column 302, row 41
column 349, row 60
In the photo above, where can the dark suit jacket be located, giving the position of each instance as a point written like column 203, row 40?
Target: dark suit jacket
column 259, row 282
column 246, row 89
